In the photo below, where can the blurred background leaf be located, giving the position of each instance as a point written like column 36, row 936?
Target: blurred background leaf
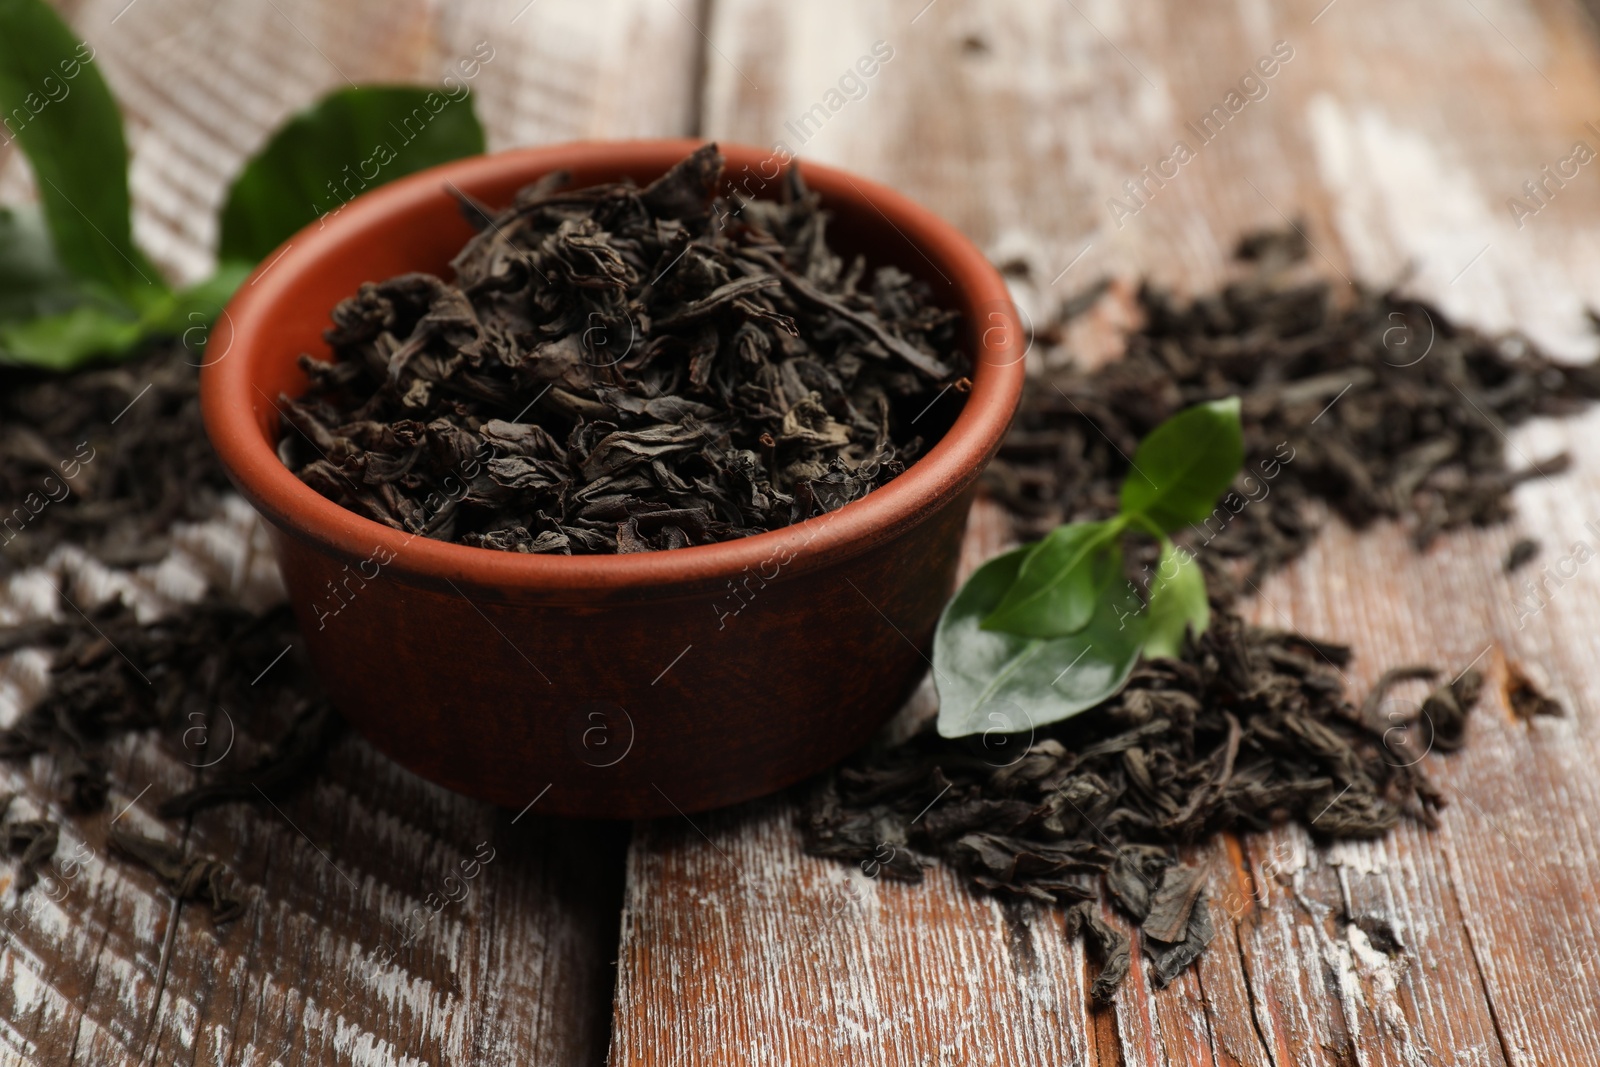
column 61, row 113
column 33, row 280
column 95, row 328
column 70, row 338
column 73, row 286
column 352, row 141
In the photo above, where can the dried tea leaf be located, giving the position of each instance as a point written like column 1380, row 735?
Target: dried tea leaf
column 32, row 841
column 294, row 756
column 1108, row 944
column 1445, row 710
column 1172, row 902
column 1521, row 554
column 1132, row 879
column 189, row 877
column 1525, row 697
column 1170, row 960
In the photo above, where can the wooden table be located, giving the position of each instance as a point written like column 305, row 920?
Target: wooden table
column 1396, row 131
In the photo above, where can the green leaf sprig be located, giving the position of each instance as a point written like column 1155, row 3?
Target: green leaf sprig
column 1051, row 629
column 74, row 287
column 349, row 141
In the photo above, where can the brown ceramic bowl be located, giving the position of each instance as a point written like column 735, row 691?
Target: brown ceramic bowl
column 608, row 686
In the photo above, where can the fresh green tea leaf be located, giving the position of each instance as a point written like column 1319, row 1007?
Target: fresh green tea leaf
column 1000, row 682
column 33, row 280
column 1185, row 464
column 57, row 107
column 97, row 328
column 1059, row 582
column 71, row 338
column 353, row 140
column 1177, row 602
column 1049, row 630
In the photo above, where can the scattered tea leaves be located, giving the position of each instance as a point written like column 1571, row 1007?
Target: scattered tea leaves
column 113, row 674
column 1377, row 407
column 293, row 757
column 1250, row 727
column 1238, row 728
column 189, row 877
column 108, row 459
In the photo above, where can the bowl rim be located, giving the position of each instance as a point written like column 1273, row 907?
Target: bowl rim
column 230, row 400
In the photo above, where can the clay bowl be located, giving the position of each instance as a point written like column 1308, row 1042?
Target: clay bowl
column 608, row 686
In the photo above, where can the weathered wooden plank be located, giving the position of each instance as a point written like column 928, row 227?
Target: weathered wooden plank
column 1022, row 122
column 314, row 973
column 330, row 963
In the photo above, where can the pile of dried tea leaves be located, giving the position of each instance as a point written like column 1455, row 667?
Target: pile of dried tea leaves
column 1251, row 728
column 190, row 663
column 107, row 459
column 1378, row 407
column 193, row 665
column 617, row 369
